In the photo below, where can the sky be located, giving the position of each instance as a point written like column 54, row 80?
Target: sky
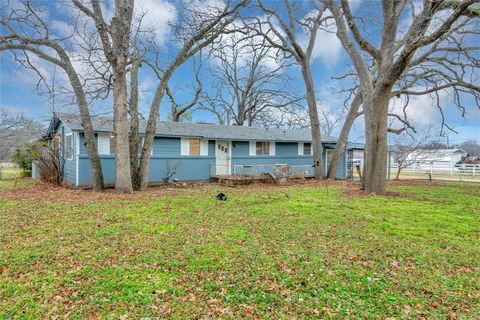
column 18, row 86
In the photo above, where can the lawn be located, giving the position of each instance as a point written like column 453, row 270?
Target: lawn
column 326, row 252
column 9, row 173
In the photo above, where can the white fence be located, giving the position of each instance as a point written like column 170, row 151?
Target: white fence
column 439, row 169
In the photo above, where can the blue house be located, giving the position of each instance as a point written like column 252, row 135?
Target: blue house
column 193, row 151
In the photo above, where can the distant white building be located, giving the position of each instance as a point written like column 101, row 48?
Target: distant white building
column 435, row 159
column 437, row 156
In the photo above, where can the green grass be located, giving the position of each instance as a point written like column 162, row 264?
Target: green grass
column 9, row 173
column 182, row 254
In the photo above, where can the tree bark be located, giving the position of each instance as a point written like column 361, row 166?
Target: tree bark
column 343, row 138
column 134, row 135
column 118, row 56
column 150, row 129
column 314, row 122
column 89, row 134
column 123, row 181
column 376, row 151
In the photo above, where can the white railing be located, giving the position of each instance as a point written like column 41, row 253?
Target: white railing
column 438, row 170
column 255, row 170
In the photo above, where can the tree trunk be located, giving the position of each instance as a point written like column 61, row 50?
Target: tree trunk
column 144, row 165
column 175, row 115
column 118, row 56
column 134, row 135
column 376, row 151
column 123, row 178
column 343, row 138
column 314, row 122
column 89, row 134
column 397, row 177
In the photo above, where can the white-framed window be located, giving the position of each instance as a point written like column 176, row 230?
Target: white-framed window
column 307, row 149
column 69, row 146
column 103, row 144
column 262, row 148
column 193, row 147
column 113, row 149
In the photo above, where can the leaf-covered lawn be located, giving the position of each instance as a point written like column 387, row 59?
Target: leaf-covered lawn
column 326, row 252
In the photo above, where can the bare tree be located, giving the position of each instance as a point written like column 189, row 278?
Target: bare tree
column 198, row 27
column 24, row 31
column 248, row 78
column 115, row 39
column 16, row 130
column 391, row 59
column 406, row 147
column 281, row 32
column 176, row 109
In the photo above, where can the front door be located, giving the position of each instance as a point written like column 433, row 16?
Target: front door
column 223, row 160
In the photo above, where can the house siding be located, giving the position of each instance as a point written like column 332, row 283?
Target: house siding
column 289, row 149
column 166, row 147
column 166, row 153
column 69, row 168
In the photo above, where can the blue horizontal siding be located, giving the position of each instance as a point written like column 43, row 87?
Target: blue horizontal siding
column 240, row 148
column 168, row 147
column 85, row 174
column 286, row 149
column 188, row 168
column 166, row 152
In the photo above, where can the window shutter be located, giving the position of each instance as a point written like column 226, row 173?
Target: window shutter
column 184, row 146
column 252, row 148
column 272, row 148
column 204, row 147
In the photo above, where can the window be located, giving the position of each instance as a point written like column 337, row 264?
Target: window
column 307, row 149
column 112, row 144
column 57, row 142
column 103, row 144
column 262, row 148
column 329, row 157
column 194, row 147
column 141, row 141
column 69, row 146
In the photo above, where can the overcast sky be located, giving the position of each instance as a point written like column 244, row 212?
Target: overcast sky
column 18, row 86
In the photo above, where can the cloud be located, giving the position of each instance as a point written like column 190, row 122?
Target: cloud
column 158, row 15
column 422, row 110
column 327, row 46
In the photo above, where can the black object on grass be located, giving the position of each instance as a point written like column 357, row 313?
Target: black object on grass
column 222, row 196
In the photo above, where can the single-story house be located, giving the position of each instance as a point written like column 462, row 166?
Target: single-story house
column 193, row 151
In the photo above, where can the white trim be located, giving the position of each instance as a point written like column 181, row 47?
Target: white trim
column 77, row 156
column 184, row 146
column 300, row 148
column 203, row 147
column 229, row 159
column 272, row 146
column 252, row 148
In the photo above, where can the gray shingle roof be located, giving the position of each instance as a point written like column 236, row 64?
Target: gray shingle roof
column 203, row 130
